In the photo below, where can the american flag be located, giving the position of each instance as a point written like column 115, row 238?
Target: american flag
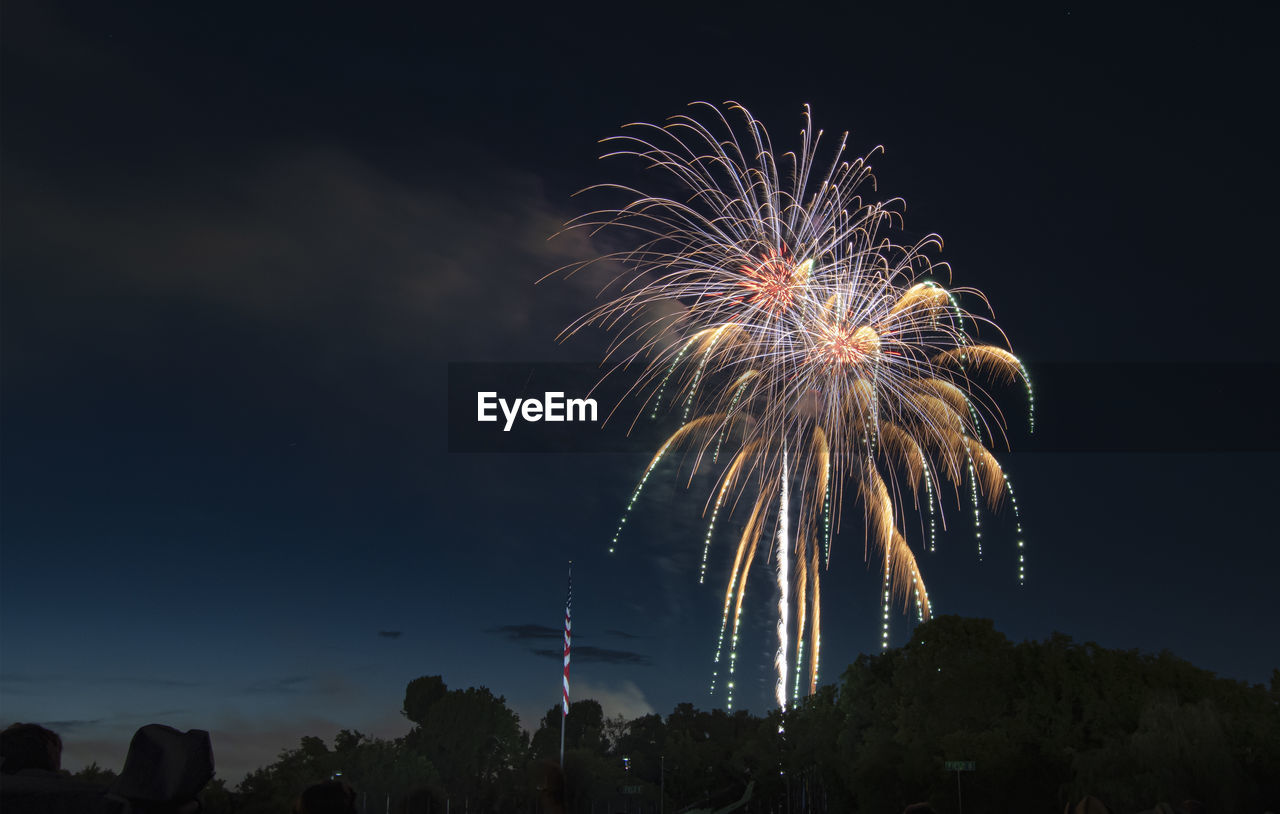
column 568, row 605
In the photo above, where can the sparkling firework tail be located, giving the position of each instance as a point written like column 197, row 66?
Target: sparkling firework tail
column 815, row 626
column 675, row 363
column 802, row 585
column 676, row 438
column 741, row 578
column 730, row 477
column 747, row 534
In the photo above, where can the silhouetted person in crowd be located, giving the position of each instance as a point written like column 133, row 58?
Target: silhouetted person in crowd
column 329, row 797
column 1090, row 805
column 165, row 770
column 27, row 747
column 30, row 780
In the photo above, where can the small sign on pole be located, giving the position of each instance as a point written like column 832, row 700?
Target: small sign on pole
column 958, row 766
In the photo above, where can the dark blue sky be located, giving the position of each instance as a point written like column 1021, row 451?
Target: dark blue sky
column 240, row 248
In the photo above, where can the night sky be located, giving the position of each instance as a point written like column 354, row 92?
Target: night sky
column 241, row 247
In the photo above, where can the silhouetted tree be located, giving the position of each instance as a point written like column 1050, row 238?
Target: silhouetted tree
column 419, row 695
column 1046, row 723
column 472, row 739
column 93, row 773
column 584, row 730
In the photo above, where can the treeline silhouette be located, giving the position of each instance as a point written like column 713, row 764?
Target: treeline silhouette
column 1044, row 724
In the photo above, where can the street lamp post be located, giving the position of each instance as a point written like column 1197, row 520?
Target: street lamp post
column 662, row 783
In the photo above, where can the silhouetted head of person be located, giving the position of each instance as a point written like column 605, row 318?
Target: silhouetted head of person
column 329, row 797
column 30, row 746
column 919, row 808
column 1091, row 805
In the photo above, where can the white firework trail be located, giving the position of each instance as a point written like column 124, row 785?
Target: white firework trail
column 784, row 569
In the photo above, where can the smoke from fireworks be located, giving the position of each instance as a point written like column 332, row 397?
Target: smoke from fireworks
column 808, row 355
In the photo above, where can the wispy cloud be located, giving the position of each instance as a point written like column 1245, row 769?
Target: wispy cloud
column 622, row 634
column 148, row 682
column 581, row 652
column 64, row 727
column 524, row 632
column 321, row 235
column 332, row 686
column 20, row 682
column 625, row 699
column 597, row 655
column 279, row 686
column 16, row 678
column 390, row 634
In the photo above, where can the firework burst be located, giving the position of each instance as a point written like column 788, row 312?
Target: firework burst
column 810, row 357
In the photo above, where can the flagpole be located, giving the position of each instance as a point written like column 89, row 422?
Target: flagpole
column 568, row 607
